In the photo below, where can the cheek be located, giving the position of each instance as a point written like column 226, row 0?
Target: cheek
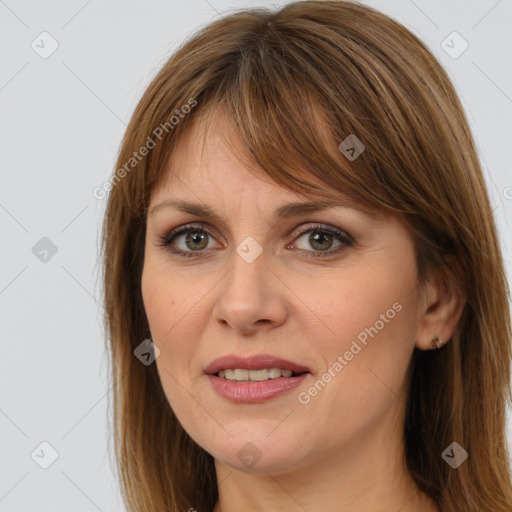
column 168, row 309
column 364, row 303
column 165, row 304
column 169, row 299
column 159, row 300
column 370, row 312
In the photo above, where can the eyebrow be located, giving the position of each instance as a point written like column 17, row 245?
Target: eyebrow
column 283, row 212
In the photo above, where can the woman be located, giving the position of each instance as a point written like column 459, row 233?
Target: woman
column 305, row 296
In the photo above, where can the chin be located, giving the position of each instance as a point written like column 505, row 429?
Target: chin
column 258, row 454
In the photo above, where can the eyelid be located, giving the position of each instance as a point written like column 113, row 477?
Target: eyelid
column 168, row 236
column 320, row 226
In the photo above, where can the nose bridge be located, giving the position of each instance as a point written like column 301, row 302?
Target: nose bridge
column 248, row 293
column 245, row 281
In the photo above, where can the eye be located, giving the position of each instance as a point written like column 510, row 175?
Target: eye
column 322, row 238
column 191, row 241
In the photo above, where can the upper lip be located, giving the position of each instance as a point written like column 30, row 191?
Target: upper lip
column 256, row 362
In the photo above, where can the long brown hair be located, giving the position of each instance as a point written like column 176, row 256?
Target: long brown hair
column 295, row 84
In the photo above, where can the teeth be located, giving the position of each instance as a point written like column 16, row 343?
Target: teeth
column 258, row 374
column 274, row 373
column 240, row 374
column 254, row 375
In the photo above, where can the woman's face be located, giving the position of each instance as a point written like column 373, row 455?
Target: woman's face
column 333, row 292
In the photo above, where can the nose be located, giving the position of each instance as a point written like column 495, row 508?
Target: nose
column 250, row 297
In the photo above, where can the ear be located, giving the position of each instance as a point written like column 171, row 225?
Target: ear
column 441, row 308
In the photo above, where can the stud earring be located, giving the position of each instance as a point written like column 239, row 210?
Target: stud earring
column 436, row 342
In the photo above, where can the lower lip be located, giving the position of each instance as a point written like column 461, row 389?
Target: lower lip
column 257, row 391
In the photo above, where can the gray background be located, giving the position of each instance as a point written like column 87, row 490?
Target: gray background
column 61, row 120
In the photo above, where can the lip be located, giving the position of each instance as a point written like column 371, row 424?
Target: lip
column 257, row 391
column 256, row 362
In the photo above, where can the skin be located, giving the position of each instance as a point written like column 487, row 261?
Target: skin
column 343, row 450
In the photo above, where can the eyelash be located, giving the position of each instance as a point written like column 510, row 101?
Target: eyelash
column 345, row 240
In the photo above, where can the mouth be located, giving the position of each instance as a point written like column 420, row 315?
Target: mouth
column 254, row 379
column 243, row 375
column 254, row 368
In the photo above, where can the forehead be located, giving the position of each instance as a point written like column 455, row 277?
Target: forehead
column 210, row 152
column 210, row 160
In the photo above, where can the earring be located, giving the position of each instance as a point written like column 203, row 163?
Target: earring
column 436, row 342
